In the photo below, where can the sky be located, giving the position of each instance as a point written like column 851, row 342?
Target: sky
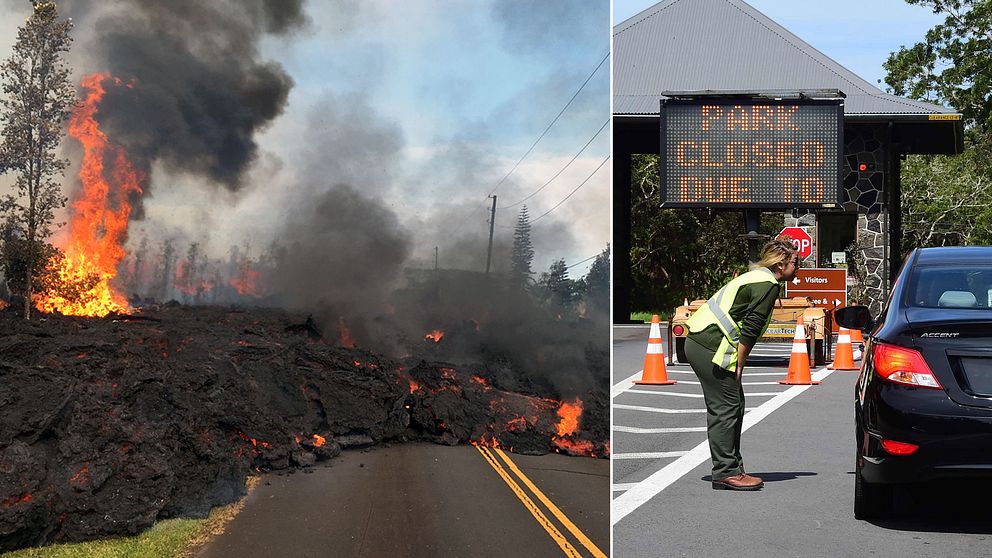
column 424, row 105
column 858, row 34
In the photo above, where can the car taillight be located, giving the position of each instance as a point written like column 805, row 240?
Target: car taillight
column 899, row 448
column 903, row 366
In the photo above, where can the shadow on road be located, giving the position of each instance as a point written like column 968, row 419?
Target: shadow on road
column 948, row 506
column 773, row 477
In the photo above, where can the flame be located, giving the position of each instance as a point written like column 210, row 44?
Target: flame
column 344, row 333
column 318, row 440
column 569, row 413
column 435, row 335
column 99, row 218
column 414, row 386
column 247, row 283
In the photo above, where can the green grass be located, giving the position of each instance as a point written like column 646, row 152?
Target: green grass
column 170, row 538
column 646, row 316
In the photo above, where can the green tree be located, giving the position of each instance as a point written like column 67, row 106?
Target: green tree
column 523, row 249
column 951, row 64
column 556, row 288
column 597, row 281
column 38, row 98
column 947, row 200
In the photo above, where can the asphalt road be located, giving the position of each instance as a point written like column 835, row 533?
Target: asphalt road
column 799, row 439
column 425, row 500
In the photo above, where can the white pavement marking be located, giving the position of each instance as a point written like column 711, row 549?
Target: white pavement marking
column 667, row 411
column 625, row 384
column 671, row 393
column 621, row 486
column 649, row 455
column 745, row 383
column 637, row 430
column 650, row 487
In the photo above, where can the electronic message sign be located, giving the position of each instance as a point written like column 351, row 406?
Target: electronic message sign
column 751, row 152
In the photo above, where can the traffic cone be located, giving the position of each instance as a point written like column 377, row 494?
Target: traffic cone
column 654, row 373
column 844, row 357
column 857, row 340
column 799, row 360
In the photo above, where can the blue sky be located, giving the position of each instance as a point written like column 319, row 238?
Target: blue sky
column 859, row 34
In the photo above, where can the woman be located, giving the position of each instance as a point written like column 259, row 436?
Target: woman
column 721, row 335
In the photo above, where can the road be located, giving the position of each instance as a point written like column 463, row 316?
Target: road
column 426, row 500
column 798, row 438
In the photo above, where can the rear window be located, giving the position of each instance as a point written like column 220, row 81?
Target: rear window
column 951, row 287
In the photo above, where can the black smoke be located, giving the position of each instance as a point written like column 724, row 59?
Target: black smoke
column 199, row 88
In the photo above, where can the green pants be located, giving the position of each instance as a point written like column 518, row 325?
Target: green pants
column 724, row 399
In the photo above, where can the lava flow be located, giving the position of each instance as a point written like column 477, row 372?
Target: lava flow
column 435, row 335
column 98, row 219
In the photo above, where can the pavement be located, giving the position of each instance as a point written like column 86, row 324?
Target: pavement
column 798, row 438
column 426, row 500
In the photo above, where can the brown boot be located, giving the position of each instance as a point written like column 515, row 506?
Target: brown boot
column 742, row 481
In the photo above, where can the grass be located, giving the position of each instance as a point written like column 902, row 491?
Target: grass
column 171, row 538
column 646, row 316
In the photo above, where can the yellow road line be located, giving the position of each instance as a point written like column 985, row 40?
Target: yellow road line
column 554, row 509
column 542, row 519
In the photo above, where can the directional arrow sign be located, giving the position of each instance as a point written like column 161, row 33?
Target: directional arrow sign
column 825, row 287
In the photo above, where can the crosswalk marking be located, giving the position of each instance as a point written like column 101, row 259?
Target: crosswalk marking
column 666, row 411
column 649, row 455
column 638, row 430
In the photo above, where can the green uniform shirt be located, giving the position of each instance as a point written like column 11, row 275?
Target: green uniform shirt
column 752, row 323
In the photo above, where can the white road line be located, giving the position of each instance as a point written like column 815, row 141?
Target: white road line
column 693, row 382
column 625, row 384
column 649, row 455
column 637, row 430
column 667, row 411
column 671, row 393
column 649, row 392
column 620, row 487
column 650, row 487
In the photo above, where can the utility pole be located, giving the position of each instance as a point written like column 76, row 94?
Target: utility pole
column 492, row 225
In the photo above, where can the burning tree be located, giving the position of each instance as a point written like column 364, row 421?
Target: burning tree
column 38, row 99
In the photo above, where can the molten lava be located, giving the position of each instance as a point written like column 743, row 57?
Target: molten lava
column 318, row 440
column 435, row 335
column 569, row 414
column 99, row 218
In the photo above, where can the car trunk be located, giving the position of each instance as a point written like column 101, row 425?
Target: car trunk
column 957, row 345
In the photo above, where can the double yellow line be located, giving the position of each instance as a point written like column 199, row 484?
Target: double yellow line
column 490, row 456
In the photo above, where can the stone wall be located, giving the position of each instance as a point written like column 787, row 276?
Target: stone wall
column 864, row 192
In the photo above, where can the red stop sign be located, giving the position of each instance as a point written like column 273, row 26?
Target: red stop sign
column 802, row 240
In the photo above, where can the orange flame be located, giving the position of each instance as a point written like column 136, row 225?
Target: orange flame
column 435, row 335
column 569, row 413
column 247, row 283
column 99, row 218
column 318, row 440
column 414, row 386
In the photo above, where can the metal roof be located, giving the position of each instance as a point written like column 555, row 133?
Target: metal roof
column 728, row 45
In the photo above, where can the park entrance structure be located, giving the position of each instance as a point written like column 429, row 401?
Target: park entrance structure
column 727, row 45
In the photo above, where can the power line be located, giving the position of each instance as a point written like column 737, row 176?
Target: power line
column 539, row 138
column 573, row 191
column 603, row 127
column 562, row 111
column 583, row 261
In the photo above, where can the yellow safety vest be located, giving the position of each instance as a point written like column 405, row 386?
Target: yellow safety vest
column 716, row 311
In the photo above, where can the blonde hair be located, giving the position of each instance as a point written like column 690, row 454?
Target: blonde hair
column 775, row 252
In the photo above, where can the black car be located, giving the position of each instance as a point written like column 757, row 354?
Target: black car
column 923, row 401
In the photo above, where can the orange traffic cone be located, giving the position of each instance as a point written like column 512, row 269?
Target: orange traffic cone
column 856, row 336
column 654, row 361
column 799, row 360
column 844, row 358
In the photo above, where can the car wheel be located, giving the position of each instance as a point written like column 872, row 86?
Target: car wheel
column 871, row 500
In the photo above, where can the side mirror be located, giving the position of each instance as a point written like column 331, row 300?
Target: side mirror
column 854, row 317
